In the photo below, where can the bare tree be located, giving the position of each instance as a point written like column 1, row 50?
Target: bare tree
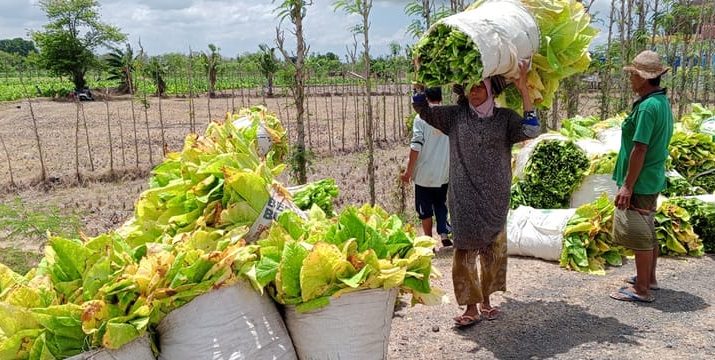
column 363, row 8
column 9, row 163
column 109, row 133
column 76, row 145
column 86, row 134
column 456, row 6
column 295, row 11
column 43, row 172
column 134, row 121
column 606, row 80
column 190, row 78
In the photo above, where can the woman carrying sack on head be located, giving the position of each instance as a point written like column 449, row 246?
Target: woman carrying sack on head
column 480, row 141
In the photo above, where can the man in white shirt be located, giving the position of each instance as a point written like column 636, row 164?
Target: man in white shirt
column 428, row 167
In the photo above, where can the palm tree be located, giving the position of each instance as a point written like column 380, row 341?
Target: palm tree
column 211, row 62
column 156, row 70
column 268, row 65
column 121, row 65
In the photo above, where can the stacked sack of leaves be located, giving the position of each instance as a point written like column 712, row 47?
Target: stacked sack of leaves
column 702, row 217
column 588, row 245
column 186, row 238
column 257, row 122
column 693, row 156
column 448, row 55
column 677, row 185
column 694, row 121
column 675, row 232
column 579, row 127
column 588, row 239
column 307, row 262
column 603, row 164
column 554, row 169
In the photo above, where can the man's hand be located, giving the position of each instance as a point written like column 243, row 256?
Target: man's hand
column 623, row 198
column 406, row 177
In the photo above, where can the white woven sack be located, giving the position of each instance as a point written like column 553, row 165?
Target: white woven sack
column 230, row 323
column 592, row 147
column 504, row 32
column 592, row 187
column 611, row 138
column 355, row 326
column 710, row 198
column 139, row 349
column 536, row 232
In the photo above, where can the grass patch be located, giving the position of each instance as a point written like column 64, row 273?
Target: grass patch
column 19, row 261
column 17, row 220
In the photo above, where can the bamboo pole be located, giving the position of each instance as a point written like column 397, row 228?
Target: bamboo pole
column 9, row 163
column 109, row 133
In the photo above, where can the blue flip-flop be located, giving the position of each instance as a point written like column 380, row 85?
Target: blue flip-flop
column 625, row 294
column 632, row 280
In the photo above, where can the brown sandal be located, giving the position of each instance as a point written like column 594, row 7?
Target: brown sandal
column 464, row 321
column 491, row 313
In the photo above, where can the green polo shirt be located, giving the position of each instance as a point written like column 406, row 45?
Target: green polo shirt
column 651, row 123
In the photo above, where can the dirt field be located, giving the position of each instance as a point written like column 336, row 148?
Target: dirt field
column 136, row 141
column 547, row 313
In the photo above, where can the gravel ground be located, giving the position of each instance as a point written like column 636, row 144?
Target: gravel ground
column 552, row 313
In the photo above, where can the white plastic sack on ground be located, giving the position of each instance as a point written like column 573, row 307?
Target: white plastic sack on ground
column 710, row 198
column 355, row 326
column 264, row 140
column 592, row 147
column 504, row 32
column 139, row 349
column 591, row 189
column 611, row 138
column 522, row 158
column 537, row 233
column 230, row 323
column 708, row 126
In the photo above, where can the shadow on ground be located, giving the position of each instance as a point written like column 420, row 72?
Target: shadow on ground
column 674, row 301
column 542, row 329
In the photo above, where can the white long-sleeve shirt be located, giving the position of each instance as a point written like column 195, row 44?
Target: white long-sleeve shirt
column 432, row 167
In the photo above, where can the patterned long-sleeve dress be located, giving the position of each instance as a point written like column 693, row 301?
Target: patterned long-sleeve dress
column 480, row 167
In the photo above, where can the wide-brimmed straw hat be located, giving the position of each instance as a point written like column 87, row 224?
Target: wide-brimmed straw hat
column 647, row 64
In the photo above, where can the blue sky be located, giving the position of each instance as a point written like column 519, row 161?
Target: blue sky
column 235, row 26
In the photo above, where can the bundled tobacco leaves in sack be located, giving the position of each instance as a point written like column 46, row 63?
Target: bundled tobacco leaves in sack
column 554, row 170
column 579, row 127
column 258, row 123
column 307, row 262
column 587, row 243
column 320, row 193
column 217, row 181
column 677, row 185
column 675, row 231
column 694, row 121
column 693, row 156
column 454, row 50
column 702, row 217
column 104, row 293
column 186, row 238
column 603, row 164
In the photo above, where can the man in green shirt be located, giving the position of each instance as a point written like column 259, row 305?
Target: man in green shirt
column 640, row 173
